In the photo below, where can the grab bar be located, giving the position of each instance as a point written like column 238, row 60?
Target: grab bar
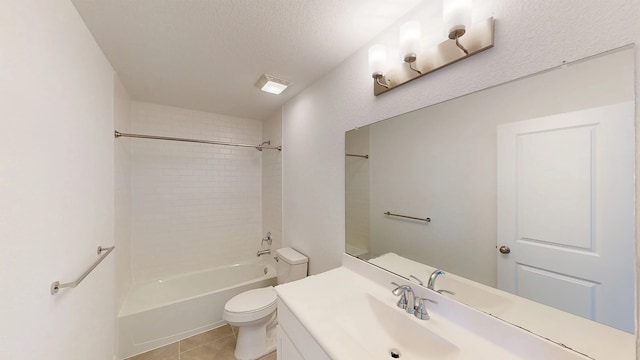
column 56, row 286
column 408, row 217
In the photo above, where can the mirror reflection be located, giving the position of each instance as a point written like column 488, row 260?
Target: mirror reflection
column 528, row 186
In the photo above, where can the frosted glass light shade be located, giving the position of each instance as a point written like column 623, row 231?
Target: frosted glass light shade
column 456, row 15
column 410, row 35
column 378, row 59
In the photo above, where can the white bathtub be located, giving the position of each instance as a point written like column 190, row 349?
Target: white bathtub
column 164, row 311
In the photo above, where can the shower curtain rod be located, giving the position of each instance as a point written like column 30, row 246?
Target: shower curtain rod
column 258, row 147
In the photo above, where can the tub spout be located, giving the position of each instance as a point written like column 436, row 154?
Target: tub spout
column 263, row 252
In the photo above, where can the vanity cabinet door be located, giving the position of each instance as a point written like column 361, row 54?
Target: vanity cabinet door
column 294, row 340
column 286, row 349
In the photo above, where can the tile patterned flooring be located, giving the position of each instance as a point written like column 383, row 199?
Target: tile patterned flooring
column 216, row 344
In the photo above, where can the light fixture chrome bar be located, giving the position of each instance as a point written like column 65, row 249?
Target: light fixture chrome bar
column 56, row 286
column 477, row 38
column 408, row 217
column 140, row 136
column 356, row 155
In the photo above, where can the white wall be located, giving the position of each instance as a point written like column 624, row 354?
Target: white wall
column 122, row 123
column 272, row 183
column 56, row 185
column 530, row 36
column 194, row 206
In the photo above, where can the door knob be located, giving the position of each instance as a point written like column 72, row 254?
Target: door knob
column 504, row 249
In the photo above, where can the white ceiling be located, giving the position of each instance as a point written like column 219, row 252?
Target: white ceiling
column 207, row 54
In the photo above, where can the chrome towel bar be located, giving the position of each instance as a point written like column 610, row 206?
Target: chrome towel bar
column 56, row 286
column 408, row 217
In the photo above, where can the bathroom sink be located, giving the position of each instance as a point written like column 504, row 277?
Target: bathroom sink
column 466, row 291
column 380, row 328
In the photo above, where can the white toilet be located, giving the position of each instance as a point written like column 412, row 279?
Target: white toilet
column 254, row 311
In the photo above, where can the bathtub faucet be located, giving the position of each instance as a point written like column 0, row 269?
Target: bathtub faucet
column 268, row 239
column 263, row 252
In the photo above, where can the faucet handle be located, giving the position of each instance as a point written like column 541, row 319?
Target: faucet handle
column 421, row 310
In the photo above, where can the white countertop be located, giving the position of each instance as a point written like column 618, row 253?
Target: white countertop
column 322, row 304
column 594, row 339
column 328, row 306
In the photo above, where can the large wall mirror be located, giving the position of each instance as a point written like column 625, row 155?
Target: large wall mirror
column 525, row 190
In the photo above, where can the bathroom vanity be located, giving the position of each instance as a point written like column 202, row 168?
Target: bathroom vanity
column 350, row 313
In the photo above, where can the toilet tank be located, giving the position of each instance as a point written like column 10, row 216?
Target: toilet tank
column 291, row 265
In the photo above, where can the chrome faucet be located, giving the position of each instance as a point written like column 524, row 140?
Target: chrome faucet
column 409, row 302
column 263, row 252
column 432, row 282
column 433, row 277
column 406, row 302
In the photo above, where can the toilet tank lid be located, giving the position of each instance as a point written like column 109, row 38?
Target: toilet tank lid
column 291, row 256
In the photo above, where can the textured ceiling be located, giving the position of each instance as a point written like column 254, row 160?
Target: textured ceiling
column 207, row 54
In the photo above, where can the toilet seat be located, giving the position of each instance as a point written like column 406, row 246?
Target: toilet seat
column 251, row 305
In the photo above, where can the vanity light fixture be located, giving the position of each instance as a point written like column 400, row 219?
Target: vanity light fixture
column 470, row 38
column 456, row 15
column 271, row 84
column 410, row 34
column 378, row 64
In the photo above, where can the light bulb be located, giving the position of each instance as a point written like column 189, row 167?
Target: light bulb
column 378, row 59
column 410, row 34
column 456, row 16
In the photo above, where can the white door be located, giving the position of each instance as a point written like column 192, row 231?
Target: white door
column 566, row 212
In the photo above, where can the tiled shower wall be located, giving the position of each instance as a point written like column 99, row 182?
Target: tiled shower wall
column 194, row 206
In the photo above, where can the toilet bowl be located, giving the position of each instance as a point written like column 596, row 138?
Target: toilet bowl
column 254, row 311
